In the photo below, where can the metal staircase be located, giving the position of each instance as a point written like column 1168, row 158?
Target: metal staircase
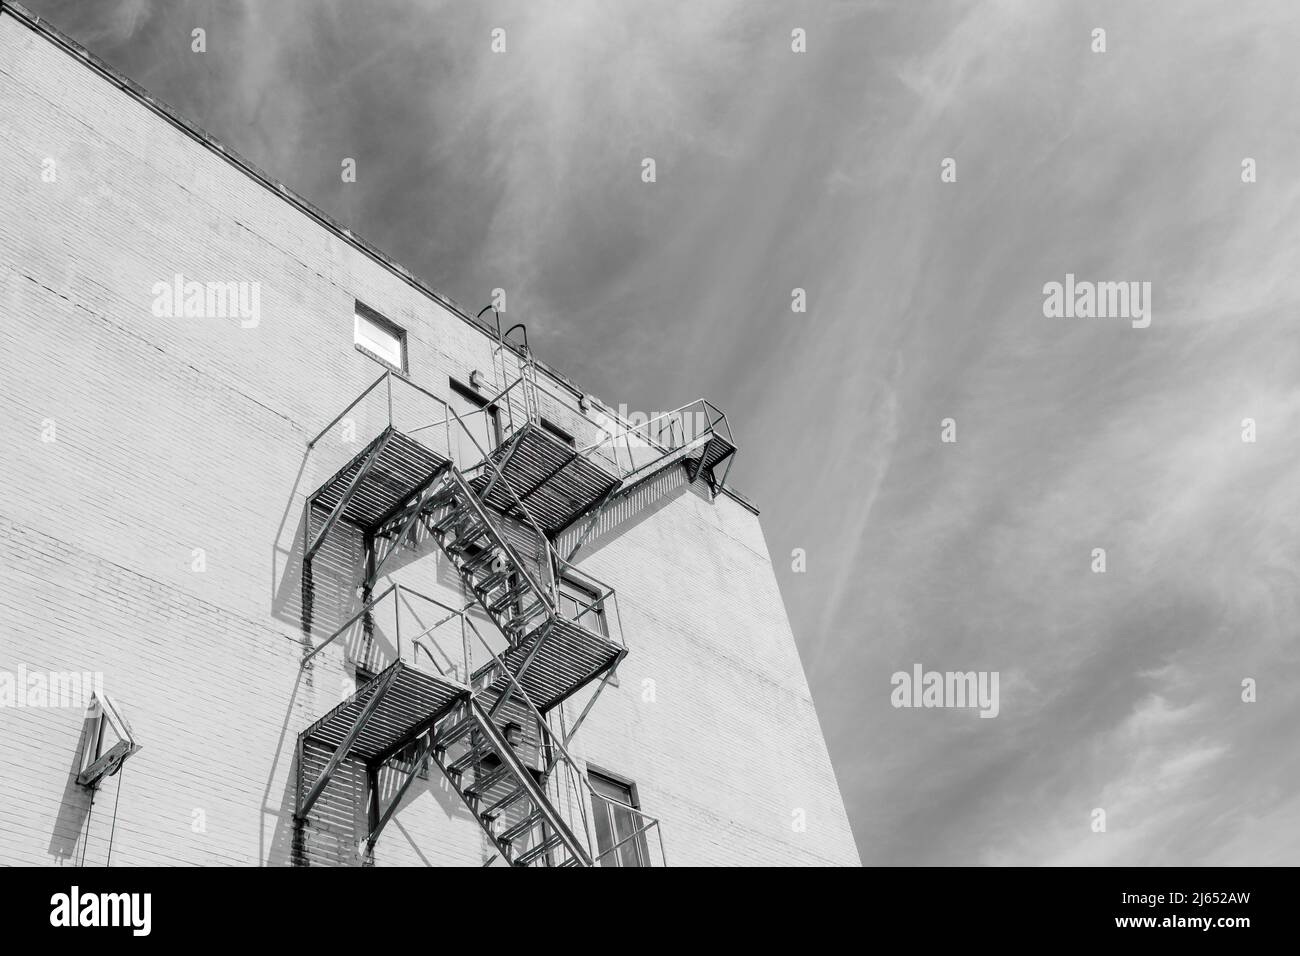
column 550, row 655
column 488, row 728
column 506, row 795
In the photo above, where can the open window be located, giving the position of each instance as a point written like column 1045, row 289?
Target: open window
column 109, row 741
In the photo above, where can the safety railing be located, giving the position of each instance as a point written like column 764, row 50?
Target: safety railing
column 393, row 402
column 389, row 402
column 624, row 447
column 635, row 447
column 555, row 744
column 407, row 620
column 633, row 849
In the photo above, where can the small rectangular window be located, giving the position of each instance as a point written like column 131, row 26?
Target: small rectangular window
column 555, row 431
column 380, row 339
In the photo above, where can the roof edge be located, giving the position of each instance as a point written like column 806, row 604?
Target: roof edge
column 197, row 133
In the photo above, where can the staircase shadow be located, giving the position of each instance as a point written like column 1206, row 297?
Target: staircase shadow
column 642, row 504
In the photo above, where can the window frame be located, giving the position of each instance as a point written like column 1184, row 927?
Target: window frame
column 558, row 433
column 363, row 311
column 597, row 604
column 634, row 800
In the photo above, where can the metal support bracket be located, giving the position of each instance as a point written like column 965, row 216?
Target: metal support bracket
column 305, row 803
column 347, row 496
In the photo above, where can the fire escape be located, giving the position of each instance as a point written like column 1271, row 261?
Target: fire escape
column 487, row 719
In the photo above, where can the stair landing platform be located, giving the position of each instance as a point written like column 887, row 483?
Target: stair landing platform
column 570, row 657
column 381, row 478
column 413, row 701
column 553, row 481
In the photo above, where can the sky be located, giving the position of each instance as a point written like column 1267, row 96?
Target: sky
column 823, row 170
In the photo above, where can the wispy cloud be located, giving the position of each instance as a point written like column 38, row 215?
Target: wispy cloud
column 821, row 171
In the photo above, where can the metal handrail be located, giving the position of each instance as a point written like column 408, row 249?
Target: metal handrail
column 339, row 417
column 630, row 429
column 714, row 415
column 570, row 762
column 541, row 721
column 397, row 590
column 350, row 621
column 643, row 829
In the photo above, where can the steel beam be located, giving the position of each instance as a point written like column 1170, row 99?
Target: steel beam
column 353, row 485
column 609, row 674
column 306, row 803
column 373, row 574
column 377, row 825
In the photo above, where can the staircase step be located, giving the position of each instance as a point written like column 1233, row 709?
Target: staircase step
column 485, row 783
column 471, row 529
column 504, row 802
column 520, row 828
column 444, row 524
column 522, row 620
column 453, row 733
column 447, row 497
column 512, row 595
column 550, row 844
column 492, row 581
column 479, row 561
column 468, row 758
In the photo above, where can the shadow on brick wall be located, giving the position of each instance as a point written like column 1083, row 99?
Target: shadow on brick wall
column 642, row 504
column 74, row 808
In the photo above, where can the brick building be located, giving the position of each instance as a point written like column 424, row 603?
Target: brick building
column 320, row 548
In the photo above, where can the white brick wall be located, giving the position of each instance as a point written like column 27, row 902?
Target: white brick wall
column 175, row 435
